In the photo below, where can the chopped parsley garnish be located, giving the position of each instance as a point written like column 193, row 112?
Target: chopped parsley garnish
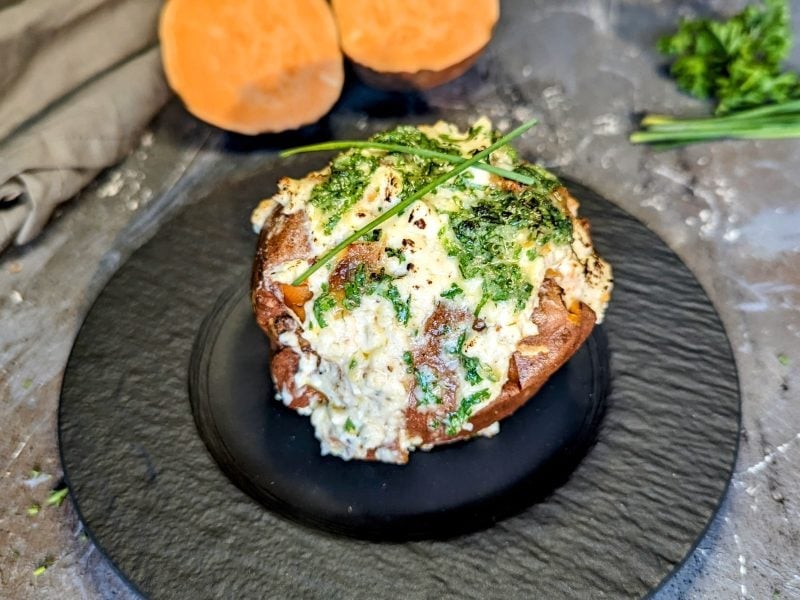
column 452, row 292
column 416, row 171
column 355, row 287
column 352, row 365
column 426, row 384
column 402, row 308
column 455, row 421
column 396, row 253
column 362, row 283
column 349, row 426
column 475, row 370
column 373, row 236
column 408, row 135
column 323, row 304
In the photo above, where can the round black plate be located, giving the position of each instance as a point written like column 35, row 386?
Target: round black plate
column 157, row 503
column 271, row 452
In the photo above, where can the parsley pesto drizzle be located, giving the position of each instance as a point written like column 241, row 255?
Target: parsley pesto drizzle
column 486, row 237
column 348, row 180
column 410, row 199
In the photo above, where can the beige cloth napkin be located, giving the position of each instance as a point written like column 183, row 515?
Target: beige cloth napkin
column 80, row 80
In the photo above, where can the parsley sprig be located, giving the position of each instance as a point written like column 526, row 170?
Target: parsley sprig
column 736, row 62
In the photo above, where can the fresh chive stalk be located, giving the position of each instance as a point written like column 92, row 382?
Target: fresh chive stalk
column 422, row 152
column 774, row 121
column 406, row 202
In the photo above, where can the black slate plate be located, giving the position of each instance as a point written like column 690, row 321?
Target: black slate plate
column 158, row 505
column 271, row 452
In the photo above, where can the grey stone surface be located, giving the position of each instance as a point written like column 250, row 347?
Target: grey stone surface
column 729, row 209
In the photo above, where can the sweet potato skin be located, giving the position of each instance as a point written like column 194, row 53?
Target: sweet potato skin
column 283, row 237
column 419, row 80
column 415, row 44
column 561, row 331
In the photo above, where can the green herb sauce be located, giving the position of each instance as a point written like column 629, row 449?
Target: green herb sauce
column 348, row 180
column 416, row 171
column 484, row 236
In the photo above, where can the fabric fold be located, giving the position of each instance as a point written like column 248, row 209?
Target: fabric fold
column 80, row 80
column 54, row 158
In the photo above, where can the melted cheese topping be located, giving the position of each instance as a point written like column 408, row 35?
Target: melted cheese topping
column 359, row 359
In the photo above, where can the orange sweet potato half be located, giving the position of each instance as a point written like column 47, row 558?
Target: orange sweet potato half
column 414, row 43
column 252, row 66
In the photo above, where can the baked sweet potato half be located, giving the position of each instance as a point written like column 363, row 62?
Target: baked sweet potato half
column 444, row 320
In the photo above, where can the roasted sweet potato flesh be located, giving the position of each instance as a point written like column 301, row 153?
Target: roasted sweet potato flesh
column 252, row 66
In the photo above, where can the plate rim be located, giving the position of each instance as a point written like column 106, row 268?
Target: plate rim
column 570, row 182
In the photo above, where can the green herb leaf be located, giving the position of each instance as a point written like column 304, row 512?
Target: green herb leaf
column 475, row 371
column 452, row 292
column 323, row 303
column 396, row 253
column 362, row 283
column 56, row 497
column 408, row 359
column 425, row 381
column 402, row 308
column 355, row 287
column 349, row 426
column 784, row 360
column 455, row 421
column 427, row 386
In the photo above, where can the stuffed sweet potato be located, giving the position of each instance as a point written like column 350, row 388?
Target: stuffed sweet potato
column 442, row 321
